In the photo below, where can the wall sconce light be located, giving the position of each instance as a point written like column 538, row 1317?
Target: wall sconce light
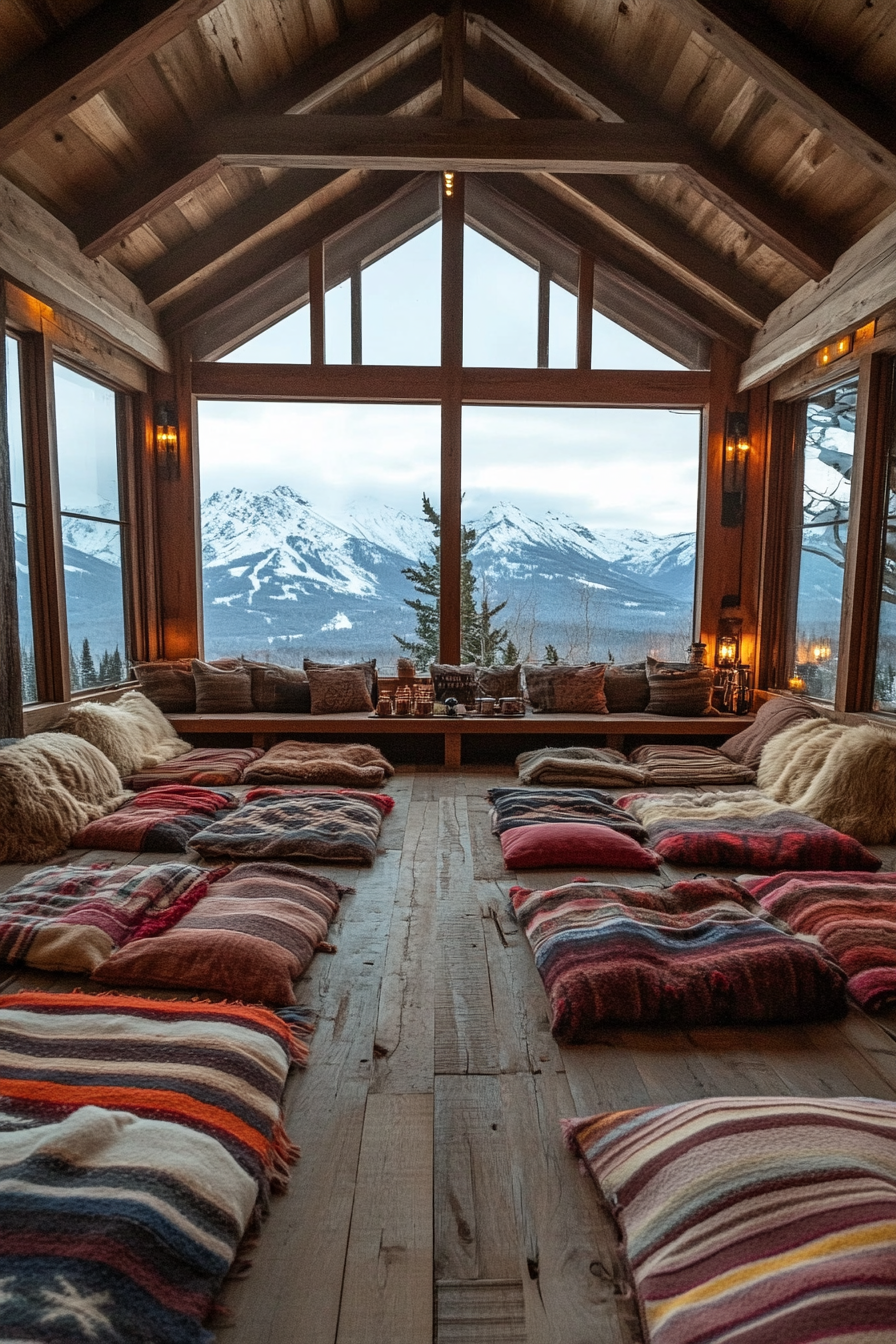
column 728, row 641
column 828, row 353
column 734, row 468
column 448, row 179
column 166, row 440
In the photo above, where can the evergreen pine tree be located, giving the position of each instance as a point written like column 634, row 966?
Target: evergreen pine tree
column 88, row 668
column 29, row 675
column 511, row 653
column 74, row 671
column 116, row 668
column 425, row 578
column 550, row 654
column 102, row 675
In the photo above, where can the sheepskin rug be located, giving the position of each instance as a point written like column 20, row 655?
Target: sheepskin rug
column 842, row 775
column 132, row 732
column 52, row 784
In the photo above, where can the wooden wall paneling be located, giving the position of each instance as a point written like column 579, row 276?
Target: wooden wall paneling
column 45, row 534
column 585, row 310
column 178, row 505
column 781, row 549
column 11, row 721
column 318, row 297
column 720, row 571
column 91, row 349
column 864, row 542
column 452, row 413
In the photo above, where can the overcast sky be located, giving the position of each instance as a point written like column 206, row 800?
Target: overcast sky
column 606, row 468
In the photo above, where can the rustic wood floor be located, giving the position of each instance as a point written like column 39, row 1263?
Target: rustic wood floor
column 434, row 1199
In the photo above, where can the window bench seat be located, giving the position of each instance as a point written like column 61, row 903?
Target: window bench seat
column 610, row 729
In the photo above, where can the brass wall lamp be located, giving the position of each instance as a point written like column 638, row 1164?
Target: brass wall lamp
column 734, row 468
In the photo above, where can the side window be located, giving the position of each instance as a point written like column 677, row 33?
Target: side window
column 87, row 458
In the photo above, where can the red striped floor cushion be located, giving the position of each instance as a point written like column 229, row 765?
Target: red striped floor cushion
column 573, row 844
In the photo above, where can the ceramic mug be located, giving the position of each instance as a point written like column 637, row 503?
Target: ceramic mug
column 485, row 704
column 510, row 704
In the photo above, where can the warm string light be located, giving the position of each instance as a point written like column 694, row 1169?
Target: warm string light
column 449, row 183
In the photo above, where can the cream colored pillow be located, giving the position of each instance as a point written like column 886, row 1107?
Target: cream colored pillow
column 132, row 732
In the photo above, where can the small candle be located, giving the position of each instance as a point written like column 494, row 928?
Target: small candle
column 797, row 685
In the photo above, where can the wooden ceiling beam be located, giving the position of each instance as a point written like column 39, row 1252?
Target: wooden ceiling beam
column 782, row 226
column 808, row 81
column 422, row 144
column 639, row 222
column 89, row 55
column 258, row 212
column 611, row 251
column 268, row 257
column 320, row 79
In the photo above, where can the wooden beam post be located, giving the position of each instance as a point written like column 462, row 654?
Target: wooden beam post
column 544, row 316
column 453, row 41
column 318, row 298
column 585, row 310
column 11, row 722
column 864, row 539
column 357, row 344
column 45, row 543
column 452, row 370
column 180, row 560
column 719, row 577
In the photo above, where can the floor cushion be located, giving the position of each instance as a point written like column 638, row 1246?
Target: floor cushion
column 212, row 766
column 160, row 820
column 249, row 938
column 513, row 807
column 351, row 764
column 71, row 918
column 772, row 717
column 52, row 784
column 667, row 763
column 573, row 844
column 853, row 916
column 132, row 731
column 339, row 825
column 587, row 766
column 760, row 1220
column 743, row 831
column 115, row 1228
column 688, row 955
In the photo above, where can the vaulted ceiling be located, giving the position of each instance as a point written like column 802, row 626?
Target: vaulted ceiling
column 713, row 155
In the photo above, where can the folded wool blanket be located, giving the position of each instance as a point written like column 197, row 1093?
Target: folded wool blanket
column 689, row 955
column 73, row 918
column 352, row 764
column 115, row 1228
column 667, row 763
column 596, row 766
column 744, row 831
column 160, row 820
column 531, row 807
column 853, row 916
column 842, row 775
column 52, row 784
column 215, row 1068
column 338, row 824
column 214, row 766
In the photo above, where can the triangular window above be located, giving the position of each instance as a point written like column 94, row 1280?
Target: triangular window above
column 500, row 307
column 614, row 347
column 285, row 342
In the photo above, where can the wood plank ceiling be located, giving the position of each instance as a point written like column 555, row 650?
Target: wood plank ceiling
column 716, row 153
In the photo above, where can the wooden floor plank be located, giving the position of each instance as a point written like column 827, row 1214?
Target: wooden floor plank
column 480, row 1311
column 475, row 1226
column 387, row 1292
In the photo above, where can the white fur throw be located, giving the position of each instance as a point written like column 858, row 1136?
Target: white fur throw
column 52, row 784
column 132, row 732
column 841, row 775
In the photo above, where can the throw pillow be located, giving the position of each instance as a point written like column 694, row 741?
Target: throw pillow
column 253, row 934
column 222, row 690
column 568, row 690
column 368, row 668
column 279, row 690
column 573, row 844
column 679, row 688
column 450, row 680
column 338, row 690
column 771, row 718
column 760, row 1219
column 499, row 681
column 283, row 824
column 202, row 765
column 131, row 731
column 626, row 688
column 170, row 686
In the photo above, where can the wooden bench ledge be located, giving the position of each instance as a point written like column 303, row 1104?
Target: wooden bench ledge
column 264, row 727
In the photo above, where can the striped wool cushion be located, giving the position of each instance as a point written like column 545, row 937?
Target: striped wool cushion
column 853, row 916
column 669, row 764
column 115, row 1228
column 282, row 824
column 203, row 765
column 160, row 820
column 686, row 955
column 253, row 934
column 217, row 1068
column 754, row 1220
column 679, row 688
column 530, row 807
